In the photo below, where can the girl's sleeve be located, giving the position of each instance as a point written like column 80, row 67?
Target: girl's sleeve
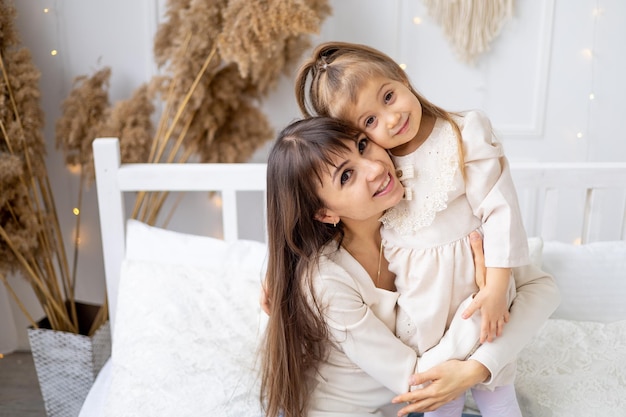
column 537, row 298
column 491, row 193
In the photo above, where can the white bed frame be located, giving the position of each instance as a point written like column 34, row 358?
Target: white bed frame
column 114, row 179
column 599, row 186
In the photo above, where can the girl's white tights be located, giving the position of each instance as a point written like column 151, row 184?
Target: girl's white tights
column 501, row 402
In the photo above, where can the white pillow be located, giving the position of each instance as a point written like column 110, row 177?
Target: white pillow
column 186, row 336
column 591, row 279
column 150, row 243
column 573, row 368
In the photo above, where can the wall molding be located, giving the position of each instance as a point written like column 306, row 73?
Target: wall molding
column 535, row 129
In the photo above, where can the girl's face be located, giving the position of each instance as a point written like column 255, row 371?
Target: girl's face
column 360, row 184
column 387, row 111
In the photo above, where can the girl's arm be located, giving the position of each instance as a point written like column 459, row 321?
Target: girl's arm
column 537, row 298
column 491, row 193
column 493, row 302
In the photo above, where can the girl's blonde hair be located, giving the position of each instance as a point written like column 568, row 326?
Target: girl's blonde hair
column 330, row 80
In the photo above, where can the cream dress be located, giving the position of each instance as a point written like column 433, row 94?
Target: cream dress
column 426, row 235
column 367, row 364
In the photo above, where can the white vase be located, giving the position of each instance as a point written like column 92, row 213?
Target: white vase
column 67, row 365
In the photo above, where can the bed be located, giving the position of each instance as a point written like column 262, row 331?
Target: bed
column 185, row 318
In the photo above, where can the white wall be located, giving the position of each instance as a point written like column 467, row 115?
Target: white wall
column 534, row 83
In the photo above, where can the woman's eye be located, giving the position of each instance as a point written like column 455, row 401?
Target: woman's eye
column 345, row 176
column 369, row 121
column 362, row 145
column 388, row 97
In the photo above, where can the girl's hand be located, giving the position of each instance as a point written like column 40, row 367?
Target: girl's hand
column 491, row 299
column 444, row 383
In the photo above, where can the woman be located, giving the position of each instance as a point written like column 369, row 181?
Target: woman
column 330, row 348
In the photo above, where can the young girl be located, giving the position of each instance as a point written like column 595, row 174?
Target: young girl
column 330, row 347
column 456, row 180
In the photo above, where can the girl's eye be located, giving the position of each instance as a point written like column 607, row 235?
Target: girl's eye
column 345, row 176
column 388, row 96
column 362, row 145
column 369, row 121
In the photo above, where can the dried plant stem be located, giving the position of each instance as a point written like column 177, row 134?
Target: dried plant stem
column 100, row 318
column 141, row 207
column 183, row 104
column 179, row 199
column 160, row 137
column 79, row 204
column 40, row 285
column 179, row 141
column 18, row 301
column 49, row 238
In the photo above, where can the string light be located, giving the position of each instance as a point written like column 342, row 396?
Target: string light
column 403, row 66
column 417, row 20
column 589, row 54
column 217, row 200
column 74, row 168
column 53, row 52
column 76, row 211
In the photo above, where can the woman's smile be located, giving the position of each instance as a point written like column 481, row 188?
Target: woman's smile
column 385, row 186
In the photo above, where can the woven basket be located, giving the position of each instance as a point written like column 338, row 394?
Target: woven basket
column 67, row 365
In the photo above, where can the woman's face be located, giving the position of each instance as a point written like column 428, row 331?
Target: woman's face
column 361, row 184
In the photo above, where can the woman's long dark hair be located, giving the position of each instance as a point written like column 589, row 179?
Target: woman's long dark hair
column 296, row 335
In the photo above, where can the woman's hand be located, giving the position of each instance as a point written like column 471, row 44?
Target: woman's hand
column 476, row 242
column 444, row 383
column 480, row 271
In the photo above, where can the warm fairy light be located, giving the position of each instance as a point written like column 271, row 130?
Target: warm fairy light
column 579, row 135
column 53, row 52
column 417, row 20
column 403, row 66
column 587, row 53
column 217, row 200
column 592, row 96
column 76, row 211
column 46, row 10
column 577, row 241
column 74, row 168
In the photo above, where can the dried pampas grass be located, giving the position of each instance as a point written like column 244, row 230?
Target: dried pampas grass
column 218, row 59
column 31, row 242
